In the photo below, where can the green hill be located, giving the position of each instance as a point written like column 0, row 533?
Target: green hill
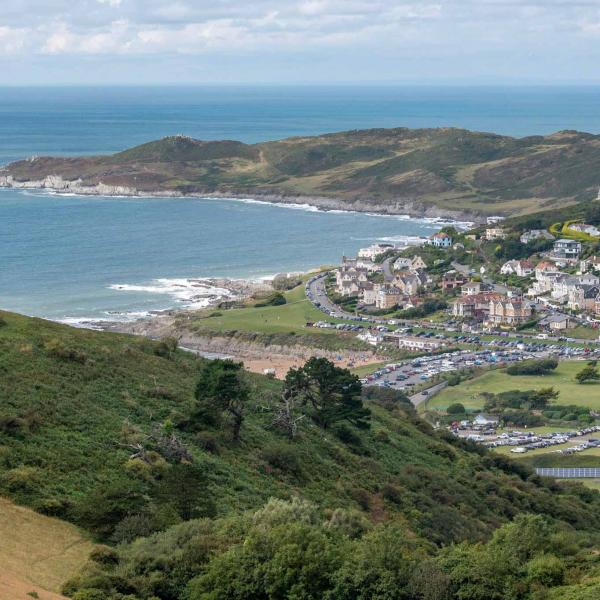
column 434, row 171
column 93, row 430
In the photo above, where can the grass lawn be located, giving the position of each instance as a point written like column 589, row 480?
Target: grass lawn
column 563, row 380
column 593, row 484
column 368, row 369
column 286, row 318
column 583, row 333
column 37, row 553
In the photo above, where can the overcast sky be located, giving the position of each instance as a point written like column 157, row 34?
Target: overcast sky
column 261, row 41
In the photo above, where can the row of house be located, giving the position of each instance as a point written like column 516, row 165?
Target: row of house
column 353, row 278
column 492, row 309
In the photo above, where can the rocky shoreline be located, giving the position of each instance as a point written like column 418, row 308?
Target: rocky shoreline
column 56, row 184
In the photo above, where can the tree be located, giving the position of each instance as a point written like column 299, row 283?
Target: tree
column 221, row 389
column 539, row 400
column 331, row 393
column 588, row 373
column 456, row 409
column 533, row 367
column 287, row 413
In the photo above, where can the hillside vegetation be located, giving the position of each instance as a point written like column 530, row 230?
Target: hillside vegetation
column 389, row 170
column 110, row 432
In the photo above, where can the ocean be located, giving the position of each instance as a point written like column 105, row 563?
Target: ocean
column 73, row 259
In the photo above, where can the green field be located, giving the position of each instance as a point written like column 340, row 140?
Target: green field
column 563, row 380
column 286, row 318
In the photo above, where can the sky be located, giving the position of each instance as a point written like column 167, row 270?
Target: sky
column 299, row 41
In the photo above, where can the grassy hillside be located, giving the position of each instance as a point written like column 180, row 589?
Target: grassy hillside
column 75, row 400
column 389, row 169
column 77, row 406
column 38, row 553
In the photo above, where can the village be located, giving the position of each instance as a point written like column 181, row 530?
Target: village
column 458, row 280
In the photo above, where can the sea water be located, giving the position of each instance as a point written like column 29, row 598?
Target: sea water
column 77, row 258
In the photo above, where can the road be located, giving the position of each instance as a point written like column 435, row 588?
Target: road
column 419, row 398
column 388, row 273
column 317, row 294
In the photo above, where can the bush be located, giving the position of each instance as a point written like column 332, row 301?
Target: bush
column 208, row 442
column 276, row 299
column 346, row 435
column 533, row 367
column 361, row 497
column 456, row 409
column 58, row 349
column 167, row 347
column 392, row 493
column 21, row 479
column 90, row 594
column 283, row 457
column 3, row 322
column 285, row 282
column 104, row 555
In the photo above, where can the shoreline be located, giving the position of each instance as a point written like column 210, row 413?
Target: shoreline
column 54, row 184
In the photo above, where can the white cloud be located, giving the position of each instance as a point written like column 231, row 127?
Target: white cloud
column 12, row 40
column 331, row 33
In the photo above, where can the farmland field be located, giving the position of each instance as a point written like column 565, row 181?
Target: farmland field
column 37, row 553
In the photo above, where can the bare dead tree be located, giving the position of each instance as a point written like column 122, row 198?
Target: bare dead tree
column 286, row 415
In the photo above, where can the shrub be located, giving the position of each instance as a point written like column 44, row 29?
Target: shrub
column 456, row 409
column 58, row 349
column 276, row 299
column 104, row 555
column 361, row 497
column 208, row 442
column 533, row 367
column 284, row 282
column 90, row 594
column 166, row 347
column 21, row 479
column 350, row 522
column 392, row 493
column 346, row 435
column 132, row 527
column 282, row 457
column 382, row 436
column 3, row 322
column 546, row 569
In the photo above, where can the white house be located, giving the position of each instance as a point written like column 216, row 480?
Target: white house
column 471, row 288
column 566, row 249
column 520, row 268
column 417, row 263
column 585, row 228
column 535, row 234
column 592, row 263
column 419, row 343
column 495, row 233
column 401, row 263
column 372, row 252
column 440, row 240
column 486, row 420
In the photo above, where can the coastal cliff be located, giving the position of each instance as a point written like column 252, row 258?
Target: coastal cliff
column 447, row 173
